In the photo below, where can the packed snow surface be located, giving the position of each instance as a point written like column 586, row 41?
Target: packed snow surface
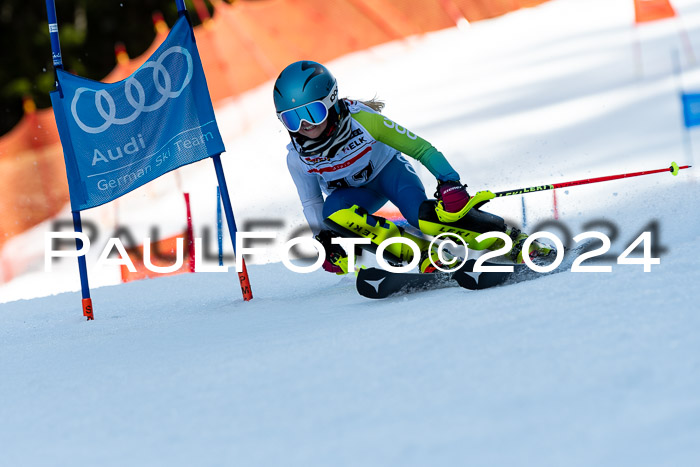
column 570, row 369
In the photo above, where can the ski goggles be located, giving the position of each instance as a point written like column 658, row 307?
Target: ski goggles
column 315, row 112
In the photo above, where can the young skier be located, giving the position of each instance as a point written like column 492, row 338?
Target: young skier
column 348, row 151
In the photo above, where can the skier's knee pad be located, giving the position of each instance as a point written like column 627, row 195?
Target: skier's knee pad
column 468, row 225
column 358, row 223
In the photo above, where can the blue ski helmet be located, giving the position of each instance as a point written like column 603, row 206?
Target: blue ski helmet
column 305, row 82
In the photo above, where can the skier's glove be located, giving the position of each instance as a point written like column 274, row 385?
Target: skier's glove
column 336, row 258
column 453, row 195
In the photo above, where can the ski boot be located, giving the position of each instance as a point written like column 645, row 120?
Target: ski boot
column 430, row 261
column 467, row 224
column 471, row 222
column 358, row 223
column 537, row 252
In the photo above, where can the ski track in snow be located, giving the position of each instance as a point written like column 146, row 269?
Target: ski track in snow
column 570, row 369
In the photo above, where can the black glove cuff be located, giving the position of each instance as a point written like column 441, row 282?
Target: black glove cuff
column 324, row 237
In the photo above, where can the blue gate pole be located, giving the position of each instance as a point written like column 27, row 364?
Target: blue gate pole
column 181, row 8
column 77, row 222
column 219, row 227
column 243, row 275
column 230, row 221
column 82, row 267
column 686, row 136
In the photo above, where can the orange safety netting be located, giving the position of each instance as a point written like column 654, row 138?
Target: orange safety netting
column 243, row 45
column 33, row 184
column 652, row 10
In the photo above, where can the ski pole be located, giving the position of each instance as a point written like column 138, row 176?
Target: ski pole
column 519, row 191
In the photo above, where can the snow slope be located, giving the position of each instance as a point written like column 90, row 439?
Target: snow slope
column 571, row 369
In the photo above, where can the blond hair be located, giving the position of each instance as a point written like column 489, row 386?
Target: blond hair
column 374, row 103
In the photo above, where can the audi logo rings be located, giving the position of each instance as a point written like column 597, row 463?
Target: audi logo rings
column 138, row 103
